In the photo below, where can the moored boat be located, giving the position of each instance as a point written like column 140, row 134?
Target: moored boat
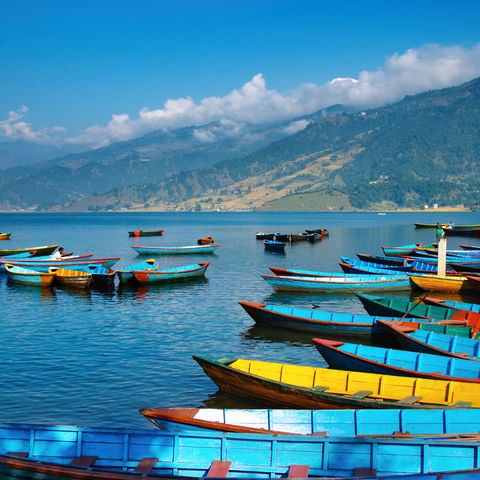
column 34, row 251
column 474, row 282
column 299, row 237
column 440, row 283
column 5, row 236
column 28, row 276
column 125, row 274
column 282, row 237
column 145, row 233
column 298, row 386
column 400, row 251
column 190, row 249
column 274, row 245
column 170, row 275
column 463, row 232
column 102, row 276
column 389, row 361
column 71, row 278
column 474, row 307
column 264, row 236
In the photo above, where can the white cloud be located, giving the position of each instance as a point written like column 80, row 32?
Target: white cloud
column 414, row 71
column 296, row 126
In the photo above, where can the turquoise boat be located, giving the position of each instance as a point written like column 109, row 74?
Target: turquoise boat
column 125, row 274
column 57, row 451
column 401, row 251
column 190, row 249
column 338, row 284
column 28, row 276
column 170, row 275
column 472, row 307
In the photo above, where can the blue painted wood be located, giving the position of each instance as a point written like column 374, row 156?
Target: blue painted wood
column 180, row 250
column 173, row 274
column 361, row 264
column 125, row 274
column 252, row 455
column 274, row 245
column 365, row 358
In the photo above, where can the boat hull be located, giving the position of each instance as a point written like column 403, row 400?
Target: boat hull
column 193, row 249
column 34, row 251
column 145, row 233
column 181, row 274
column 439, row 283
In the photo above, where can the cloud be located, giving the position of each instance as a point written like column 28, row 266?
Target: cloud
column 416, row 70
column 14, row 128
column 296, row 126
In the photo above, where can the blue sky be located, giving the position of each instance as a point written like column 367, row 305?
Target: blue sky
column 67, row 66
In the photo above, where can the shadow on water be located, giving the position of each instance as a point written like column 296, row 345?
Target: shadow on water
column 227, row 400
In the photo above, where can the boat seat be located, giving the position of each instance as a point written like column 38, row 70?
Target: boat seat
column 319, row 388
column 146, row 465
column 362, row 472
column 461, row 404
column 361, row 394
column 410, row 400
column 298, row 471
column 18, row 454
column 83, row 461
column 219, row 468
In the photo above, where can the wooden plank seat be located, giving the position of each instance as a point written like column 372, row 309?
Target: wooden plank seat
column 146, row 465
column 219, row 468
column 363, row 472
column 83, row 461
column 360, row 394
column 410, row 400
column 18, row 454
column 298, row 471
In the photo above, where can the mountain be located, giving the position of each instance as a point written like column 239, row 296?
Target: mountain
column 422, row 150
column 151, row 158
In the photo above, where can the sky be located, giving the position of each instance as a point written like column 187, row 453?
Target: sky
column 91, row 73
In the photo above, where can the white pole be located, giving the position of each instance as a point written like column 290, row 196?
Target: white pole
column 442, row 255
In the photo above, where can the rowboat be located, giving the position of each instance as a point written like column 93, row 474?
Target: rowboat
column 145, row 233
column 361, row 263
column 403, row 307
column 389, row 361
column 473, row 307
column 351, row 268
column 282, row 237
column 5, row 236
column 336, row 284
column 411, row 338
column 264, row 236
column 464, row 232
column 274, row 246
column 465, row 268
column 62, row 451
column 80, row 266
column 125, row 274
column 299, row 237
column 318, row 321
column 445, row 225
column 318, row 231
column 383, row 259
column 101, row 276
column 170, row 275
column 400, row 251
column 71, row 278
column 296, row 386
column 197, row 249
column 394, row 423
column 291, row 272
column 34, row 251
column 28, row 276
column 440, row 283
column 471, row 247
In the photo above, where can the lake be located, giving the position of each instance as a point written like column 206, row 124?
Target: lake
column 95, row 358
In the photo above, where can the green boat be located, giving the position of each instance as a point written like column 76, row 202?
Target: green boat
column 34, row 251
column 445, row 225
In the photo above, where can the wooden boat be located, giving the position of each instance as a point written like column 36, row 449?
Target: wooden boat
column 205, row 241
column 389, row 361
column 318, row 321
column 145, row 233
column 45, row 266
column 440, row 283
column 34, row 251
column 473, row 307
column 290, row 272
column 71, row 278
column 400, row 251
column 464, row 232
column 336, row 284
column 445, row 225
column 191, row 249
column 319, row 231
column 361, row 263
column 465, row 268
column 411, row 338
column 296, row 386
column 471, row 247
column 62, row 451
column 394, row 423
column 299, row 237
column 403, row 307
column 282, row 237
column 350, row 268
column 170, row 275
column 5, row 236
column 383, row 259
column 28, row 276
column 125, row 274
column 473, row 282
column 102, row 277
column 264, row 236
column 274, row 246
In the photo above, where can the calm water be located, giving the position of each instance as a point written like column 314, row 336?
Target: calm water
column 95, row 358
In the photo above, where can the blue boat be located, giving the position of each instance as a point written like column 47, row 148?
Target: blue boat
column 388, row 361
column 293, row 272
column 101, row 276
column 362, row 264
column 282, row 237
column 336, row 284
column 318, row 321
column 42, row 451
column 439, row 423
column 432, row 342
column 471, row 307
column 125, row 274
column 401, row 251
column 170, row 275
column 274, row 246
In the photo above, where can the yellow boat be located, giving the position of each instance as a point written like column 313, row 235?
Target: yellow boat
column 440, row 283
column 5, row 236
column 71, row 278
column 297, row 386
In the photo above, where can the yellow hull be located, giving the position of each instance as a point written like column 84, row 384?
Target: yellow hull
column 438, row 283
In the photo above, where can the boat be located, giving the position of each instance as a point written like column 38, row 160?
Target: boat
column 264, row 236
column 464, row 232
column 299, row 237
column 282, row 237
column 298, row 386
column 445, row 225
column 291, row 272
column 274, row 246
column 170, row 275
column 474, row 307
column 81, row 266
column 351, row 268
column 318, row 231
column 28, row 276
column 401, row 251
column 361, row 263
column 190, row 249
column 336, row 284
column 389, row 361
column 440, row 283
column 471, row 247
column 403, row 307
column 205, row 241
column 394, row 423
column 473, row 282
column 411, row 338
column 102, row 276
column 125, row 274
column 5, row 236
column 465, row 268
column 320, row 322
column 34, row 251
column 145, row 233
column 71, row 278
column 383, row 259
column 63, row 451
